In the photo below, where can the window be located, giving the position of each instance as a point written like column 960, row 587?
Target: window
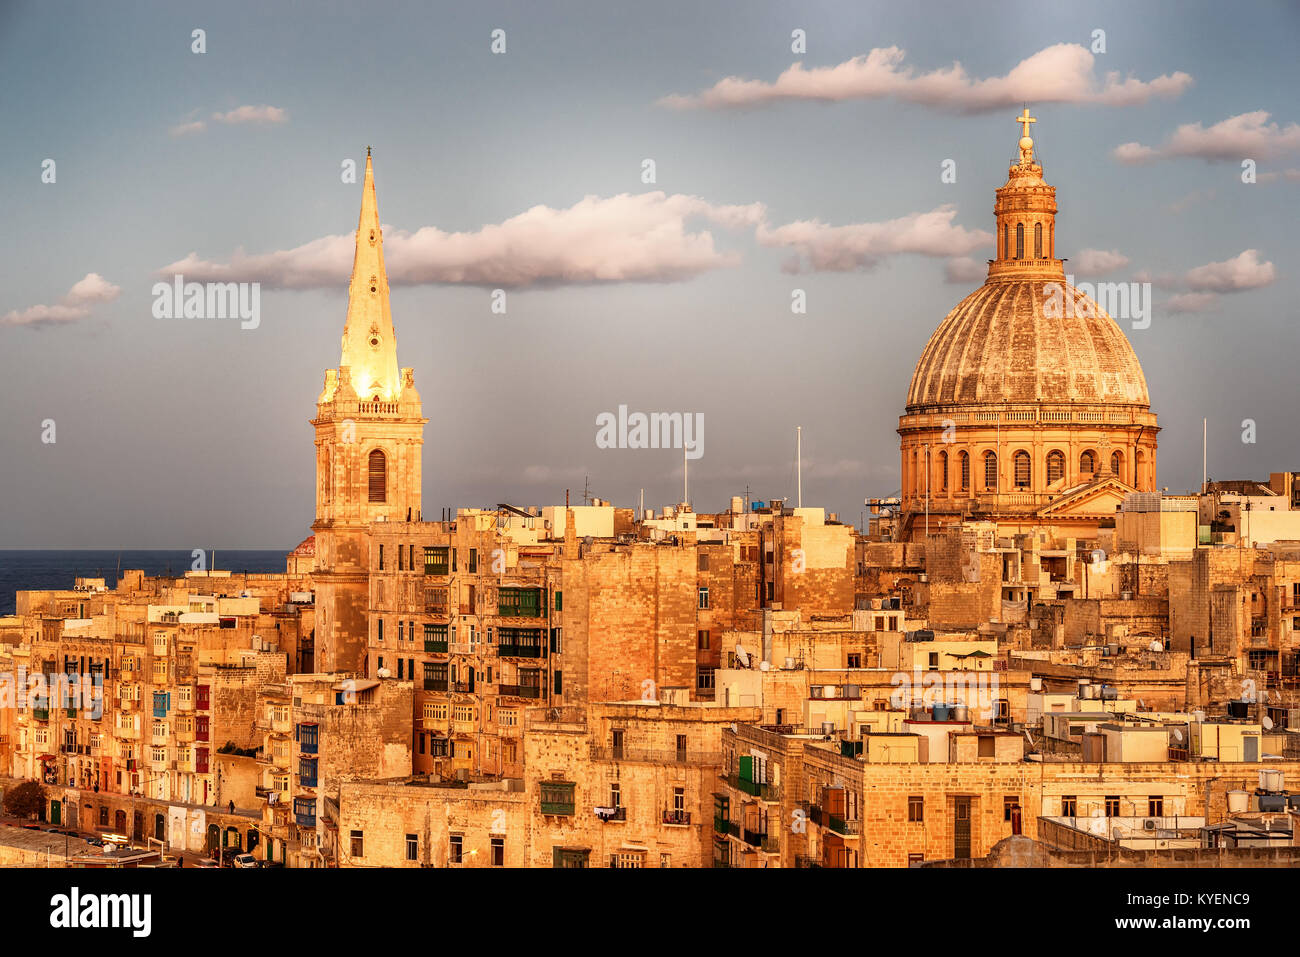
column 855, row 661
column 378, row 476
column 964, row 459
column 1006, row 241
column 704, row 678
column 1020, row 240
column 1022, row 469
column 1055, row 466
column 702, row 640
column 557, row 797
column 990, row 471
column 559, row 682
column 473, row 561
column 358, row 844
column 435, row 560
column 1155, row 806
column 1038, row 240
column 557, row 642
column 987, row 746
column 412, row 847
column 1112, row 805
column 1009, row 803
column 455, row 845
column 943, row 471
column 1087, row 463
column 498, row 851
column 1069, row 805
column 559, row 601
column 1117, row 463
column 704, row 598
column 615, row 794
column 916, row 808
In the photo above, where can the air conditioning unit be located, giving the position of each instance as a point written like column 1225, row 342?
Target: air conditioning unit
column 1149, row 824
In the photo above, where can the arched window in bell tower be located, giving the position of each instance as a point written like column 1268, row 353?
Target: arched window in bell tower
column 943, row 471
column 1020, row 240
column 990, row 471
column 965, row 472
column 378, row 476
column 1038, row 240
column 1006, row 241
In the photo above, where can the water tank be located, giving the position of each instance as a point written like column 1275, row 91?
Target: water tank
column 1238, row 802
column 1198, row 716
column 1270, row 779
column 960, row 713
column 1035, row 683
column 942, row 712
column 1113, row 649
column 1156, row 646
column 1272, row 802
column 1238, row 709
column 789, row 664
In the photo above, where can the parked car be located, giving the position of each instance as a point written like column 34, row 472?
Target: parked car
column 244, row 860
column 207, row 862
column 93, row 841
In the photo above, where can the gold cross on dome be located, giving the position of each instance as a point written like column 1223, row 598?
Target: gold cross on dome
column 1025, row 119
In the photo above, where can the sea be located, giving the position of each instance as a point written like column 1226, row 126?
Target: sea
column 22, row 570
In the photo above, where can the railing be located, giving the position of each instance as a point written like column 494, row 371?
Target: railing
column 764, row 792
column 666, row 756
column 753, row 838
column 435, row 647
column 435, row 684
column 675, row 817
column 613, row 814
column 521, row 651
column 722, row 826
column 558, row 807
column 519, row 691
column 841, row 826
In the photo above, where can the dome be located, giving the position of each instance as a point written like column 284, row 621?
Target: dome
column 1013, row 342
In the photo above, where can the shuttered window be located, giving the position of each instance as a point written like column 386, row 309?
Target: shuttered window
column 378, row 476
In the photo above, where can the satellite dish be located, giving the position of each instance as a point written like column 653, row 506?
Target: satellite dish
column 1178, row 734
column 1268, row 723
column 741, row 656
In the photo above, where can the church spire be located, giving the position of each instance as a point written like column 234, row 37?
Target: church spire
column 369, row 341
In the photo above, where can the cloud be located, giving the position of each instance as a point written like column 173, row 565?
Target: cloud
column 645, row 237
column 253, row 114
column 76, row 304
column 1290, row 175
column 185, row 129
column 962, row 269
column 821, row 248
column 1194, row 197
column 240, row 115
column 1097, row 262
column 1063, row 73
column 1245, row 136
column 1199, row 289
column 1243, row 271
column 1191, row 302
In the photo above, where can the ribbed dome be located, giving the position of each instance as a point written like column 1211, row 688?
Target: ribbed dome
column 999, row 345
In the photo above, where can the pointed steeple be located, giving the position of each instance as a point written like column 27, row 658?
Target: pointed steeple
column 369, row 340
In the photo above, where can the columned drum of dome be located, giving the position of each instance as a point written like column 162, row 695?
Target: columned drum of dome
column 1032, row 381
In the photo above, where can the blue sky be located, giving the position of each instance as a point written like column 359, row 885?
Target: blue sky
column 671, row 296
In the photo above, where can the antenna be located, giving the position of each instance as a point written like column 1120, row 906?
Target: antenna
column 798, row 461
column 686, row 476
column 1204, row 433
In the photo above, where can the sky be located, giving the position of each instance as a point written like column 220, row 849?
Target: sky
column 794, row 149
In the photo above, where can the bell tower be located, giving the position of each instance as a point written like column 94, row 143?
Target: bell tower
column 369, row 442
